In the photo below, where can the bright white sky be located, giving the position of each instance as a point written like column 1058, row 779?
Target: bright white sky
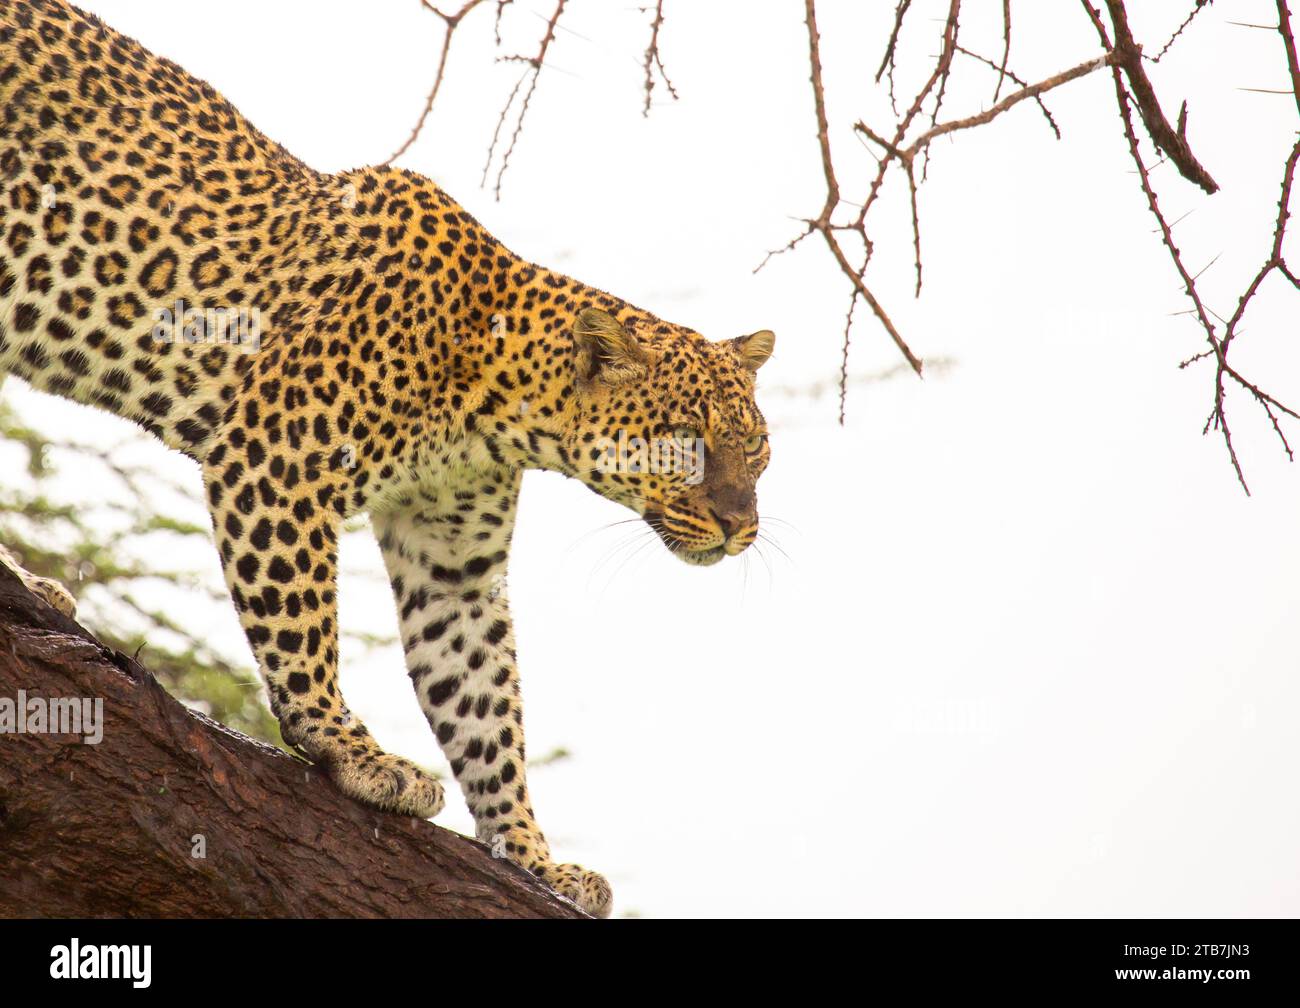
column 1032, row 651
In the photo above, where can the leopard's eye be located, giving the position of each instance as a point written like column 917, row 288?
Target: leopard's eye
column 754, row 443
column 685, row 432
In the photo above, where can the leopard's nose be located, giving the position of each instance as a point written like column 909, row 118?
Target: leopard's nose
column 730, row 521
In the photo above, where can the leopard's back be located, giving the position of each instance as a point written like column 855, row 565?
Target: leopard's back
column 134, row 202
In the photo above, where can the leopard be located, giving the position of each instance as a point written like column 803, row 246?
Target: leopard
column 331, row 345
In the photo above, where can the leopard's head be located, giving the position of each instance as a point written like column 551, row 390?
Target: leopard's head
column 666, row 424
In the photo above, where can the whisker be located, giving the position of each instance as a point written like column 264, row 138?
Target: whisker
column 758, row 548
column 764, row 537
column 597, row 531
column 773, row 520
column 640, row 551
column 619, row 549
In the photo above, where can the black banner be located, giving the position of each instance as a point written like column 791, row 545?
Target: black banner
column 226, row 957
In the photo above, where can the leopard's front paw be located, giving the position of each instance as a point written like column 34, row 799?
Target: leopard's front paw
column 388, row 782
column 586, row 888
column 54, row 595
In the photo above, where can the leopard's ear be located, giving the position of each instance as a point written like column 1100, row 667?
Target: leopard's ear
column 606, row 349
column 754, row 349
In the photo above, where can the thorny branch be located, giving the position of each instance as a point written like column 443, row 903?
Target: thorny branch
column 526, row 85
column 1006, row 47
column 654, row 61
column 1218, row 345
column 1006, row 74
column 823, row 223
column 452, row 21
column 904, row 149
column 1199, row 6
column 1162, row 134
column 535, row 63
column 901, row 146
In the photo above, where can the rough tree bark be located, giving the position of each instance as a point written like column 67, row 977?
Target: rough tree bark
column 106, row 830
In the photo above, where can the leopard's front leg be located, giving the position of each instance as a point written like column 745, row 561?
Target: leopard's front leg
column 277, row 534
column 446, row 557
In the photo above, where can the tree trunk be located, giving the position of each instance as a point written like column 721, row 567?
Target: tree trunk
column 114, row 829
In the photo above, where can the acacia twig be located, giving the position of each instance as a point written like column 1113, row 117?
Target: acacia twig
column 1163, row 135
column 653, row 60
column 1006, row 47
column 535, row 64
column 1218, row 346
column 452, row 21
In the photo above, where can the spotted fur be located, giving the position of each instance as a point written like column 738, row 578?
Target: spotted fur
column 48, row 591
column 408, row 366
